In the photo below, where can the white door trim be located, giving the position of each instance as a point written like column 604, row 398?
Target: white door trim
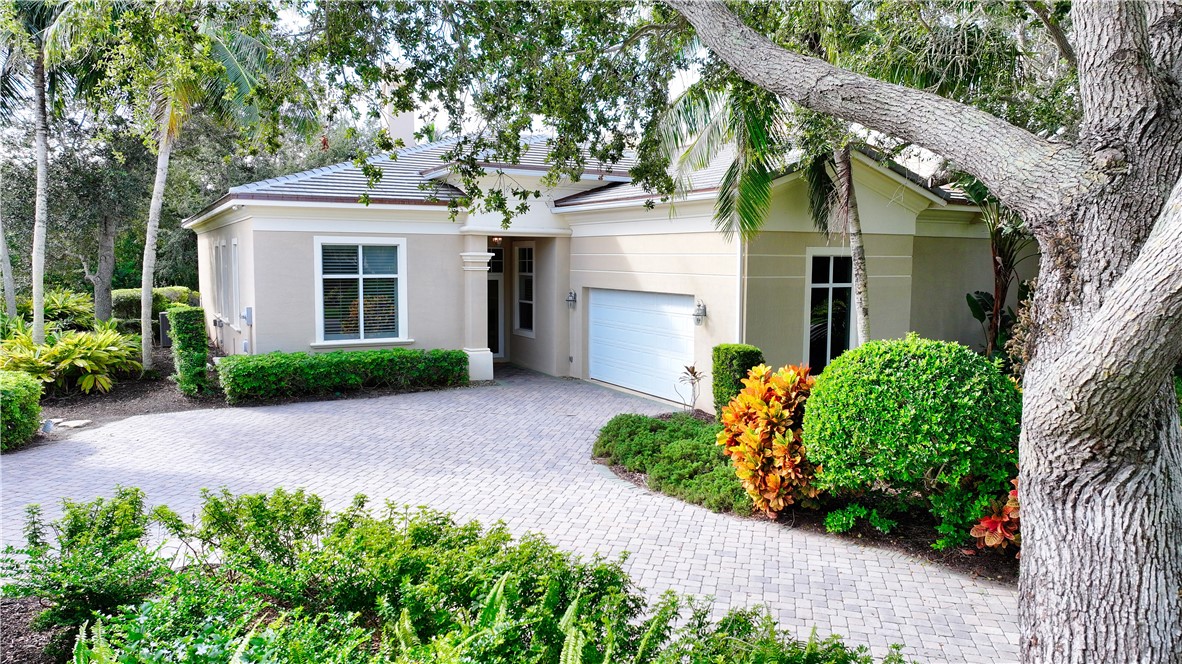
column 499, row 279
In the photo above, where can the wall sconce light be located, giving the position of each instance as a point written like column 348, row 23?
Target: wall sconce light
column 571, row 298
column 498, row 240
column 235, row 207
column 699, row 313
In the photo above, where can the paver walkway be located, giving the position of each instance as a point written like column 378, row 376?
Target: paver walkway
column 518, row 451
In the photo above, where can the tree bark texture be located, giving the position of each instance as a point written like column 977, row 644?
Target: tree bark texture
column 41, row 198
column 105, row 272
column 147, row 278
column 1101, row 445
column 848, row 202
column 6, row 268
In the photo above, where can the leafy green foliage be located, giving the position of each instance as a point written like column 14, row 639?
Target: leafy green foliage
column 64, row 309
column 69, row 360
column 99, row 560
column 20, row 408
column 679, row 455
column 914, row 419
column 278, row 578
column 731, row 364
column 844, row 519
column 280, row 375
column 190, row 348
column 125, row 302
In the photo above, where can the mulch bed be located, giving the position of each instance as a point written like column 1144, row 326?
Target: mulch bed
column 913, row 536
column 18, row 643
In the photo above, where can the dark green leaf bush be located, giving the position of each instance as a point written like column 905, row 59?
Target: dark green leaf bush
column 278, row 578
column 190, row 348
column 125, row 302
column 731, row 364
column 20, row 408
column 281, row 375
column 680, row 455
column 915, row 422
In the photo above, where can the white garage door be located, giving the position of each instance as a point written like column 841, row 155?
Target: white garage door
column 641, row 341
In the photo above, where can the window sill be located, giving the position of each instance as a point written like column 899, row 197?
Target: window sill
column 345, row 343
column 529, row 334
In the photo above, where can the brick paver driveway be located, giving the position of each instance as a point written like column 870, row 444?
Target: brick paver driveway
column 518, row 451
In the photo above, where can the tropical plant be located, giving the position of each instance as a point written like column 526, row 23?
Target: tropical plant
column 999, row 528
column 20, row 408
column 762, row 435
column 691, row 377
column 72, row 359
column 63, row 309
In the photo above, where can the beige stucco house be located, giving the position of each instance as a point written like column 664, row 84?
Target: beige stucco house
column 591, row 283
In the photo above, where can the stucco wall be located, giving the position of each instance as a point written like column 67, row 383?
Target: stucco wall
column 230, row 336
column 777, row 288
column 285, row 289
column 547, row 349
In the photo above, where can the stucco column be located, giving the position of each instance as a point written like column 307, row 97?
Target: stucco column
column 474, row 260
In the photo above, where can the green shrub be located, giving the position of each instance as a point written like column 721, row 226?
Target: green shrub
column 20, row 408
column 281, row 375
column 98, row 561
column 190, row 348
column 64, row 309
column 14, row 326
column 731, row 364
column 915, row 421
column 125, row 303
column 277, row 578
column 83, row 360
column 680, row 457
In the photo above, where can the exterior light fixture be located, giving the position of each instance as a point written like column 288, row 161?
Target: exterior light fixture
column 571, row 298
column 235, row 207
column 498, row 240
column 699, row 312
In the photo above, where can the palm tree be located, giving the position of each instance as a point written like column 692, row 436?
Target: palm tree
column 36, row 50
column 170, row 65
column 765, row 139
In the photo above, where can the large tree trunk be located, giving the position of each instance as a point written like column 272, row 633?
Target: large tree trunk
column 6, row 268
column 101, row 279
column 848, row 202
column 1101, row 447
column 41, row 205
column 147, row 279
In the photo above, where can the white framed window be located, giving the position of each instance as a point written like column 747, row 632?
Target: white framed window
column 235, row 313
column 829, row 328
column 360, row 289
column 523, row 289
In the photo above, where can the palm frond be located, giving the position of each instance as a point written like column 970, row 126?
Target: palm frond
column 821, row 191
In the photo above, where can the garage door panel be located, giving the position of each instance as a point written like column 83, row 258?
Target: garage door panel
column 641, row 341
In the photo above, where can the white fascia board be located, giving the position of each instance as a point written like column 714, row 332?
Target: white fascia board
column 201, row 219
column 635, row 202
column 515, row 231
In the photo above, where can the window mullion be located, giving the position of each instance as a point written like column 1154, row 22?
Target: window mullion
column 360, row 294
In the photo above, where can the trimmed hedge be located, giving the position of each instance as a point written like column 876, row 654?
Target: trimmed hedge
column 281, row 375
column 915, row 420
column 20, row 408
column 731, row 364
column 190, row 349
column 125, row 302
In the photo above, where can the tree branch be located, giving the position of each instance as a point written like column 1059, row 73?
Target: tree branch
column 1133, row 341
column 1054, row 29
column 1114, row 82
column 1030, row 174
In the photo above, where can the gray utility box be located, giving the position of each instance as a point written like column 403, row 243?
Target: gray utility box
column 165, row 328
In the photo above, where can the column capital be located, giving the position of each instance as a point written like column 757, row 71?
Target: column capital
column 476, row 260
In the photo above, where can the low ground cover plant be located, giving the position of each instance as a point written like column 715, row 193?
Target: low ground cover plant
column 281, row 375
column 279, row 578
column 190, row 348
column 731, row 362
column 20, row 409
column 914, row 423
column 680, row 457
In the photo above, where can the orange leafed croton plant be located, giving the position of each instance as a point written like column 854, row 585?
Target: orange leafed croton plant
column 1000, row 528
column 762, row 435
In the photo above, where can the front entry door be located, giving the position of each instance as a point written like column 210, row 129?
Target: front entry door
column 496, row 308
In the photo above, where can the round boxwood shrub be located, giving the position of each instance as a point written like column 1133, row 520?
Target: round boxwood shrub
column 20, row 408
column 912, row 421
